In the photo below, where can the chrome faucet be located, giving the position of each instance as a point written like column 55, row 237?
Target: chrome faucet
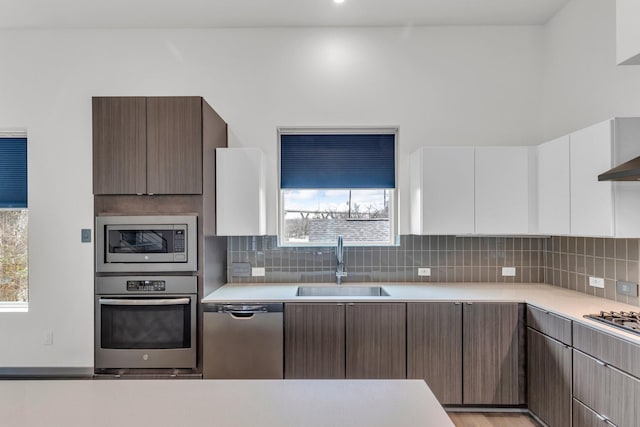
column 340, row 273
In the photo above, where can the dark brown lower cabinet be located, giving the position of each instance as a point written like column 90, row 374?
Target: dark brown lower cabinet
column 608, row 391
column 376, row 340
column 549, row 371
column 354, row 340
column 434, row 348
column 470, row 353
column 314, row 341
column 493, row 362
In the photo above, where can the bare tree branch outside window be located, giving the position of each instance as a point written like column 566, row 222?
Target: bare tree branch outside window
column 13, row 255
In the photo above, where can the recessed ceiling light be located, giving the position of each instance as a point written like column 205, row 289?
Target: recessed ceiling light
column 338, row 1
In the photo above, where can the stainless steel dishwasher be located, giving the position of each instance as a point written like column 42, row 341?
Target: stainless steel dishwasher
column 243, row 341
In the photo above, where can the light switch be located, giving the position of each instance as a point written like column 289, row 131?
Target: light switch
column 85, row 235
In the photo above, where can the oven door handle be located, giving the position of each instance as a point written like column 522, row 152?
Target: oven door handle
column 140, row 302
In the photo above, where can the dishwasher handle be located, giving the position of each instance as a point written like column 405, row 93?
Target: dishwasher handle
column 245, row 309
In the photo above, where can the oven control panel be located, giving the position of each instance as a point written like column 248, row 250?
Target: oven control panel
column 146, row 285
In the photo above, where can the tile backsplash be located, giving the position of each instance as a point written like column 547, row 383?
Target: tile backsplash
column 451, row 259
column 561, row 261
column 569, row 261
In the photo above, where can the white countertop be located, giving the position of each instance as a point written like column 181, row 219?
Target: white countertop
column 570, row 304
column 220, row 403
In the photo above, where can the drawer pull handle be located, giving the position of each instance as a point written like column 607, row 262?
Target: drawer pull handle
column 605, row 419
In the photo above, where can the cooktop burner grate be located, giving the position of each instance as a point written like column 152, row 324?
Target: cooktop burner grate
column 627, row 320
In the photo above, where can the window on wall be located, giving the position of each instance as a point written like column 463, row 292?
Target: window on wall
column 337, row 182
column 13, row 220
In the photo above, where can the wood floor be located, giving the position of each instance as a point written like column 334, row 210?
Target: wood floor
column 471, row 419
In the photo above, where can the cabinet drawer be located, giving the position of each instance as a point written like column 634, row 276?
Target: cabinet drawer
column 612, row 350
column 583, row 416
column 550, row 324
column 606, row 390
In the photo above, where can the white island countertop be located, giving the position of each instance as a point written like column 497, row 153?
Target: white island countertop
column 571, row 304
column 220, row 403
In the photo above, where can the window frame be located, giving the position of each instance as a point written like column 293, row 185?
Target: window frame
column 18, row 306
column 394, row 237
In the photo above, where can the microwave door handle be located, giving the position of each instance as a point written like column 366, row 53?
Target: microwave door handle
column 139, row 302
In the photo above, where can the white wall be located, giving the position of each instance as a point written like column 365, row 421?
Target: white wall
column 627, row 32
column 582, row 84
column 442, row 86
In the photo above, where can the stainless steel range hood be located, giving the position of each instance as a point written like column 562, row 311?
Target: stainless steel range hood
column 628, row 171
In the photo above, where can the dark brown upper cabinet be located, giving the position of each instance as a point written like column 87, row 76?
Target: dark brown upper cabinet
column 147, row 145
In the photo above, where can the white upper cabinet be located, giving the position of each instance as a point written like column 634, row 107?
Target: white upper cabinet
column 554, row 187
column 502, row 190
column 240, row 192
column 627, row 32
column 591, row 200
column 466, row 190
column 442, row 190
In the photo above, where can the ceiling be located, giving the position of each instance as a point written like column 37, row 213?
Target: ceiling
column 271, row 13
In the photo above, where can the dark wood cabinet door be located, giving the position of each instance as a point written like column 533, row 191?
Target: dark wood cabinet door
column 314, row 341
column 119, row 145
column 549, row 371
column 376, row 340
column 174, row 145
column 492, row 371
column 434, row 348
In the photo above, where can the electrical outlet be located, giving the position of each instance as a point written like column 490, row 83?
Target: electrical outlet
column 627, row 288
column 257, row 271
column 47, row 337
column 596, row 282
column 508, row 271
column 240, row 269
column 424, row 271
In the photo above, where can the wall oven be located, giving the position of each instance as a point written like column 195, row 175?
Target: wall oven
column 145, row 322
column 143, row 244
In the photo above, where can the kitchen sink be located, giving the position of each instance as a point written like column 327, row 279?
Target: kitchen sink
column 341, row 291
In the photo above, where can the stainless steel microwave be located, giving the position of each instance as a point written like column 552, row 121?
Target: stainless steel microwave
column 139, row 244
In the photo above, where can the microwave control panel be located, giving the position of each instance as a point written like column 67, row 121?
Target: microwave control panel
column 178, row 241
column 146, row 285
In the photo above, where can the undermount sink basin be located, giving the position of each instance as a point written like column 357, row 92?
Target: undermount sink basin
column 341, row 291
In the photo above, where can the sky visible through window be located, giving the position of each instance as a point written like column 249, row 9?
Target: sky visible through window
column 364, row 203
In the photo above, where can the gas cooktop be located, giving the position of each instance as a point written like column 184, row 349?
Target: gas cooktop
column 627, row 320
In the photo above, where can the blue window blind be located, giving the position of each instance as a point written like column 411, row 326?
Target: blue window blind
column 13, row 172
column 337, row 161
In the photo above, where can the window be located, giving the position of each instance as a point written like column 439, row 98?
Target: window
column 337, row 182
column 13, row 220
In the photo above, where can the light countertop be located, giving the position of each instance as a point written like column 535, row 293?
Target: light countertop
column 567, row 303
column 221, row 403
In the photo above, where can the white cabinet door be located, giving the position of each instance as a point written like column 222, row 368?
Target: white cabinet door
column 240, row 192
column 554, row 186
column 502, row 190
column 591, row 200
column 627, row 32
column 442, row 190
